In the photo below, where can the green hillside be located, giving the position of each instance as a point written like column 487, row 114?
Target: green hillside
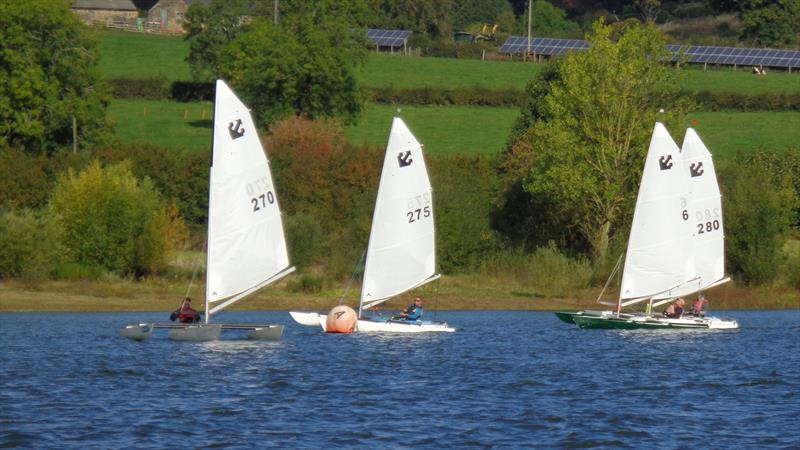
column 443, row 130
column 133, row 55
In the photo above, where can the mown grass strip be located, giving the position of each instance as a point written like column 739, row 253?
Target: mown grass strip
column 128, row 55
column 444, row 130
column 125, row 55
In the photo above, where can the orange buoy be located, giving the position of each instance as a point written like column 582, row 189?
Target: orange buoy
column 341, row 319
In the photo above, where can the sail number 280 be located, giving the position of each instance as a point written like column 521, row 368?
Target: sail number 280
column 418, row 213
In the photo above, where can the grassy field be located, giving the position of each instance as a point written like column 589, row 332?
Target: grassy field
column 180, row 126
column 443, row 130
column 139, row 55
column 410, row 72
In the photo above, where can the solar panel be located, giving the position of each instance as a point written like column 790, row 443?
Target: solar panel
column 388, row 38
column 694, row 54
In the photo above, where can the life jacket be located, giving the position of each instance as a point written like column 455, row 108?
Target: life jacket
column 187, row 315
column 699, row 305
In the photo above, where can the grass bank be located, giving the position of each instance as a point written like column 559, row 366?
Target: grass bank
column 462, row 292
column 443, row 130
column 126, row 55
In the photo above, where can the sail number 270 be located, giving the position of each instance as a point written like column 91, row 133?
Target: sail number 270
column 262, row 200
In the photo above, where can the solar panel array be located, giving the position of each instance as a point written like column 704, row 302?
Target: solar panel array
column 738, row 56
column 543, row 46
column 388, row 38
column 694, row 54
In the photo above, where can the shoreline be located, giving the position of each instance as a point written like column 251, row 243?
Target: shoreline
column 457, row 294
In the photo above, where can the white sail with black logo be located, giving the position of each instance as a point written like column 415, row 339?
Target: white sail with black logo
column 659, row 257
column 246, row 244
column 705, row 218
column 401, row 254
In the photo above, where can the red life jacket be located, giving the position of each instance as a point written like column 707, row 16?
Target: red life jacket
column 187, row 315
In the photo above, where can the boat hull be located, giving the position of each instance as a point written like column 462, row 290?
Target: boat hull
column 137, row 332
column 611, row 321
column 380, row 325
column 196, row 333
column 202, row 331
column 267, row 333
column 308, row 319
column 567, row 316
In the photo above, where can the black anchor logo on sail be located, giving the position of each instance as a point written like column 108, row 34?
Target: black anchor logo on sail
column 404, row 158
column 665, row 162
column 235, row 129
column 696, row 169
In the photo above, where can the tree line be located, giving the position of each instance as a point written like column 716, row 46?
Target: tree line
column 562, row 192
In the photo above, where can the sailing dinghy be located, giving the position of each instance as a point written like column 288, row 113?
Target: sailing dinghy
column 246, row 242
column 676, row 243
column 401, row 254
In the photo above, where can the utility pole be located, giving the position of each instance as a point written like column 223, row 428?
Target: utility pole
column 275, row 12
column 74, row 135
column 530, row 15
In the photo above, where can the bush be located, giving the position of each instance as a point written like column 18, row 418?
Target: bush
column 30, row 245
column 463, row 188
column 306, row 283
column 447, row 97
column 145, row 88
column 547, row 270
column 758, row 206
column 181, row 178
column 319, row 174
column 24, row 182
column 114, row 221
column 73, row 271
column 723, row 101
column 304, row 234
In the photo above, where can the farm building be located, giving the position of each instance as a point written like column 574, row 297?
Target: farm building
column 139, row 15
column 105, row 11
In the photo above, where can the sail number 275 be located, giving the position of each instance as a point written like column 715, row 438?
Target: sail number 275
column 418, row 214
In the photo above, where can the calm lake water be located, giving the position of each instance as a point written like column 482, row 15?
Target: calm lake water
column 505, row 379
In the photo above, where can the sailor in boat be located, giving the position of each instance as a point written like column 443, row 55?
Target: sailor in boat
column 412, row 312
column 700, row 306
column 675, row 310
column 185, row 314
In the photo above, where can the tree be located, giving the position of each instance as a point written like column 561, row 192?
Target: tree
column 547, row 20
column 770, row 22
column 584, row 152
column 758, row 202
column 48, row 67
column 112, row 220
column 428, row 17
column 468, row 12
column 304, row 65
column 209, row 29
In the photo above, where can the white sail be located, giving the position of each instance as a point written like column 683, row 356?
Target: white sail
column 705, row 215
column 659, row 256
column 246, row 244
column 401, row 253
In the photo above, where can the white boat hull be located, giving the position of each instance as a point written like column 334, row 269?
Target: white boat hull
column 389, row 326
column 138, row 332
column 308, row 319
column 267, row 333
column 197, row 333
